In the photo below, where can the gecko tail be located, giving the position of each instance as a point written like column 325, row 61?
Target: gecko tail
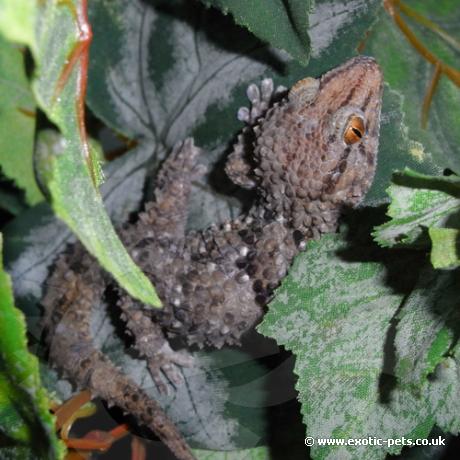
column 93, row 370
column 68, row 308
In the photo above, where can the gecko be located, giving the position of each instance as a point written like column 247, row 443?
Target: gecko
column 308, row 153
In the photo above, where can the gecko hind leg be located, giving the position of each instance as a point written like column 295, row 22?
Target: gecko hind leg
column 238, row 167
column 71, row 348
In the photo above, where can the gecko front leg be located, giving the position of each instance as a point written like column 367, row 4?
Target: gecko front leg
column 165, row 218
column 239, row 166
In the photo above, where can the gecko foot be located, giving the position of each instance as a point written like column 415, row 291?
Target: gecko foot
column 183, row 160
column 239, row 166
column 261, row 99
column 167, row 363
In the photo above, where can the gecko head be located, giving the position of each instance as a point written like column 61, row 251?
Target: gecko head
column 321, row 145
column 346, row 132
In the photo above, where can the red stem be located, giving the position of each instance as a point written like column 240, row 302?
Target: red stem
column 79, row 54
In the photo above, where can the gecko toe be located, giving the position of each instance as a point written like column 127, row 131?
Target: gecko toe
column 165, row 366
column 261, row 98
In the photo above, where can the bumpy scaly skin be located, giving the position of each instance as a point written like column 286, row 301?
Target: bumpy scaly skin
column 215, row 283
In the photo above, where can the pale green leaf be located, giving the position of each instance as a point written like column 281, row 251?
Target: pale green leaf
column 17, row 20
column 444, row 393
column 36, row 237
column 334, row 312
column 427, row 326
column 444, row 247
column 417, row 203
column 17, row 121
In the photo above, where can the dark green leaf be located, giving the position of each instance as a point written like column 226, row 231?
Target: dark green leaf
column 409, row 75
column 283, row 24
column 11, row 202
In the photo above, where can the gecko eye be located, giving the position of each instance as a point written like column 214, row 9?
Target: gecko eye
column 354, row 131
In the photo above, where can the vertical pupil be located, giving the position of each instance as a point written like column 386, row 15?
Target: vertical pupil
column 355, row 130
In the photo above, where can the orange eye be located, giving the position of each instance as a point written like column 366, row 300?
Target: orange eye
column 354, row 131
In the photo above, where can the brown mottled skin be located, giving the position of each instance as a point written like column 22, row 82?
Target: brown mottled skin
column 307, row 163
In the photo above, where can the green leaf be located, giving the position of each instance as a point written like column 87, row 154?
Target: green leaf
column 419, row 202
column 334, row 311
column 283, row 24
column 165, row 98
column 17, row 121
column 444, row 247
column 74, row 198
column 25, row 419
column 163, row 93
